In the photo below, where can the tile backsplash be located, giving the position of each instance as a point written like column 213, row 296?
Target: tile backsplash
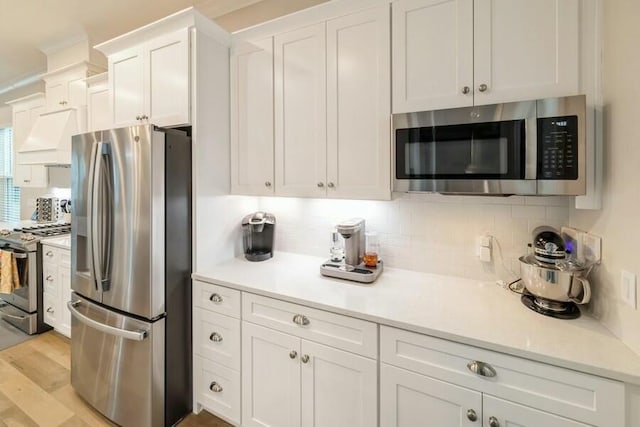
column 424, row 232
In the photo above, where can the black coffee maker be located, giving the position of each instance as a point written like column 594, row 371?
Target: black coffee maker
column 258, row 232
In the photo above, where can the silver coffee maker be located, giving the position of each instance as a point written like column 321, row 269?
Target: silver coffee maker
column 352, row 268
column 258, row 233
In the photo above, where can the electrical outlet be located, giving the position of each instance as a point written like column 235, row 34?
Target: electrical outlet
column 628, row 289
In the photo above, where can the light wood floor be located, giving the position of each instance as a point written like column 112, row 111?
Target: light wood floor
column 35, row 389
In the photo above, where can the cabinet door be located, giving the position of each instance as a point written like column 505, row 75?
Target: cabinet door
column 509, row 414
column 338, row 388
column 56, row 95
column 98, row 111
column 358, row 106
column 167, row 79
column 270, row 378
column 408, row 399
column 432, row 54
column 525, row 49
column 126, row 77
column 30, row 176
column 252, row 119
column 76, row 92
column 300, row 112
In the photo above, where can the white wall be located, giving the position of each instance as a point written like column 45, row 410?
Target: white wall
column 423, row 232
column 617, row 223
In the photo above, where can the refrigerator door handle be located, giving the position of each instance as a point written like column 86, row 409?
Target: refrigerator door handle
column 91, row 226
column 138, row 335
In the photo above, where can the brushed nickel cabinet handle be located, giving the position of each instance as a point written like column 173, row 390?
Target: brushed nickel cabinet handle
column 482, row 369
column 50, row 310
column 493, row 422
column 300, row 320
column 267, row 184
column 49, row 278
column 293, row 354
column 305, row 358
column 471, row 415
column 215, row 337
column 466, row 90
column 321, row 185
column 138, row 118
column 215, row 298
column 49, row 254
column 215, row 387
column 483, row 87
column 331, row 185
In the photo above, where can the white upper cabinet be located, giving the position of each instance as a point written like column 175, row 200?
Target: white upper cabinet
column 150, row 82
column 319, row 105
column 525, row 49
column 98, row 111
column 432, row 54
column 300, row 112
column 457, row 53
column 252, row 118
column 358, row 105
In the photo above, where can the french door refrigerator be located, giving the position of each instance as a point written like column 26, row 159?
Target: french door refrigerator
column 131, row 266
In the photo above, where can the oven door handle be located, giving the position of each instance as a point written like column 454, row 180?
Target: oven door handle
column 138, row 335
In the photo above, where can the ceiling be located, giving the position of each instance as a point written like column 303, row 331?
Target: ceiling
column 29, row 27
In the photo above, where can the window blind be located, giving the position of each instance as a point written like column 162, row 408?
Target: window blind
column 9, row 195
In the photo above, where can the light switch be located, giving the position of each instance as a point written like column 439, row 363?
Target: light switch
column 628, row 289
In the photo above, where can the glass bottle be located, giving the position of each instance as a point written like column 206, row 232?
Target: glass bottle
column 337, row 247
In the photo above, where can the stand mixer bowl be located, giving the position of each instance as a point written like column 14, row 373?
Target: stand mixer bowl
column 554, row 283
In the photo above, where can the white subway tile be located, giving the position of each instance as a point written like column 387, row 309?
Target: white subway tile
column 528, row 212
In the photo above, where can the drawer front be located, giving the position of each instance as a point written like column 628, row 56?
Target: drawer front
column 217, row 338
column 50, row 279
column 50, row 254
column 218, row 389
column 216, row 298
column 51, row 309
column 346, row 333
column 576, row 395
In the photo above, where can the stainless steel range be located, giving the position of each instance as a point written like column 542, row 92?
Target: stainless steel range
column 21, row 299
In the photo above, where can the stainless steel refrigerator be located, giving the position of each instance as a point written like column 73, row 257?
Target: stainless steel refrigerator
column 131, row 266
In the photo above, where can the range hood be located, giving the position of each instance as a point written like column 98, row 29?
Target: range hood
column 49, row 142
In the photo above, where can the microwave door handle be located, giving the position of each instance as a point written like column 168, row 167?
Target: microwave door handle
column 96, row 217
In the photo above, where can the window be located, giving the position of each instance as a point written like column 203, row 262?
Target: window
column 9, row 195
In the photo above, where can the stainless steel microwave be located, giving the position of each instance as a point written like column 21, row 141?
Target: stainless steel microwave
column 526, row 148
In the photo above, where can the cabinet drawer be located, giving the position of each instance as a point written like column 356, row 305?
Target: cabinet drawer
column 347, row 333
column 64, row 257
column 51, row 309
column 576, row 395
column 50, row 254
column 218, row 389
column 216, row 298
column 50, row 279
column 217, row 338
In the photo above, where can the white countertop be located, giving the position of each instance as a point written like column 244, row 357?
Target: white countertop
column 458, row 309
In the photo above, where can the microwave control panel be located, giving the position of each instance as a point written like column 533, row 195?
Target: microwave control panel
column 558, row 148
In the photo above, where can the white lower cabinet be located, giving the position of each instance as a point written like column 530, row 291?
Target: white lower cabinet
column 408, row 399
column 288, row 381
column 500, row 412
column 56, row 272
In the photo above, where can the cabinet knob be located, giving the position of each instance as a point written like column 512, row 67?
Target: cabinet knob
column 267, row 184
column 215, row 387
column 493, row 422
column 49, row 278
column 215, row 298
column 293, row 354
column 483, row 87
column 320, row 184
column 138, row 117
column 215, row 337
column 331, row 185
column 50, row 310
column 26, row 181
column 300, row 320
column 466, row 90
column 471, row 415
column 49, row 254
column 145, row 117
column 305, row 358
column 482, row 369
